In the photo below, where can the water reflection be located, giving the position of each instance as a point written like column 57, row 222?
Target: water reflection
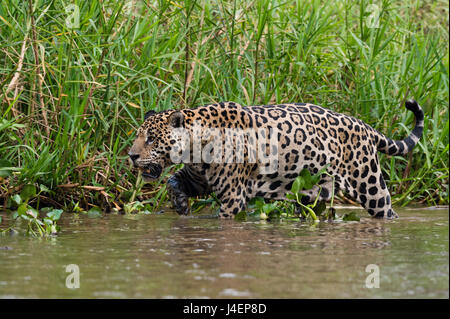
column 166, row 256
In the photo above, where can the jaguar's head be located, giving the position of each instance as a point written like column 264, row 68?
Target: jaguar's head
column 151, row 150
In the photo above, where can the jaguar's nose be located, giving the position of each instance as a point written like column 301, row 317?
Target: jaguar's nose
column 133, row 157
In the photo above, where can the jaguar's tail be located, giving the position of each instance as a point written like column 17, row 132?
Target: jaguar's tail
column 391, row 147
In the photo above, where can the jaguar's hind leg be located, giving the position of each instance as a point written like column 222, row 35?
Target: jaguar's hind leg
column 233, row 200
column 374, row 196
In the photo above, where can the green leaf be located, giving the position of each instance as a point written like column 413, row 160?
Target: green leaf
column 291, row 196
column 44, row 188
column 241, row 216
column 256, row 204
column 307, row 179
column 199, row 204
column 32, row 212
column 316, row 177
column 22, row 210
column 16, row 198
column 267, row 208
column 28, row 192
column 351, row 217
column 3, row 164
column 297, row 185
column 259, row 202
column 55, row 214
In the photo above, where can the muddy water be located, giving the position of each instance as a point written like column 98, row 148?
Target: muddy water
column 165, row 256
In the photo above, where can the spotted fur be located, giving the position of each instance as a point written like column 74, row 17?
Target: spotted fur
column 309, row 136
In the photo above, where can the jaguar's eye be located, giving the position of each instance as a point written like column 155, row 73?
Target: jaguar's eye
column 150, row 140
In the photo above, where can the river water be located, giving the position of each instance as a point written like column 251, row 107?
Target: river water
column 165, row 256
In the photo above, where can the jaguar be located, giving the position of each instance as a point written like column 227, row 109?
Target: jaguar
column 306, row 136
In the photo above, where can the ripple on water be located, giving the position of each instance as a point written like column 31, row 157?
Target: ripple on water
column 231, row 292
column 109, row 294
column 227, row 275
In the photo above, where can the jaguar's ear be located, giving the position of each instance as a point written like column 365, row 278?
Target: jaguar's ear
column 176, row 119
column 148, row 114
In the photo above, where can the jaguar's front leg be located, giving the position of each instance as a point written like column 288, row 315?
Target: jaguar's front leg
column 185, row 183
column 178, row 196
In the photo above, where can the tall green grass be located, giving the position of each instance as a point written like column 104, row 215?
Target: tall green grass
column 72, row 98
